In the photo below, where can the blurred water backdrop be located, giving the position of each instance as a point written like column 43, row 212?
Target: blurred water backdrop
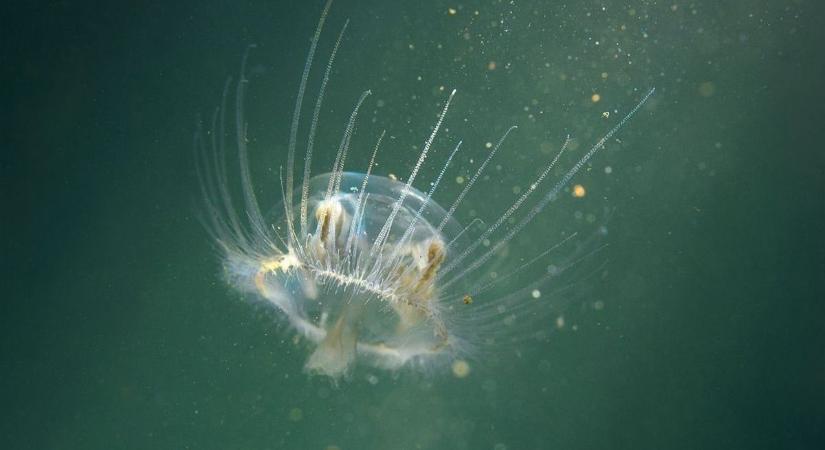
column 700, row 326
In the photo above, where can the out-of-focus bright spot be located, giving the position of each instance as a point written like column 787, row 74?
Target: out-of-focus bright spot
column 461, row 368
column 459, row 179
column 707, row 89
column 295, row 414
column 598, row 305
column 595, row 98
column 579, row 191
column 604, row 75
column 451, row 11
column 560, row 322
column 491, row 65
column 536, row 293
column 608, row 170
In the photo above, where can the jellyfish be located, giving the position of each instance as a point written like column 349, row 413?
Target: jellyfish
column 366, row 268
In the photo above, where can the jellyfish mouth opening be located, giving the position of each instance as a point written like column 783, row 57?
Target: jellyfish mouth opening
column 353, row 317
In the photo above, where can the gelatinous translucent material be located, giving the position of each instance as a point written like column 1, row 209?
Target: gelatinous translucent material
column 350, row 299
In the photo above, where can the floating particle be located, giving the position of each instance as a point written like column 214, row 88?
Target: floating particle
column 461, row 368
column 459, row 179
column 707, row 89
column 468, row 299
column 536, row 293
column 595, row 98
column 579, row 191
column 491, row 65
column 451, row 11
column 295, row 414
column 560, row 322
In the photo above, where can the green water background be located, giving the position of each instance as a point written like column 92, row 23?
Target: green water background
column 118, row 332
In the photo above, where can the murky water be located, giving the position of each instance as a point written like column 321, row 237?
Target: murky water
column 690, row 319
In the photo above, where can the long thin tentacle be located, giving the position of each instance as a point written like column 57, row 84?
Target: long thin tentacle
column 312, row 129
column 296, row 115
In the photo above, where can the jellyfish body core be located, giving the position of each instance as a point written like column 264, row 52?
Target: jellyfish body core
column 352, row 298
column 365, row 267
